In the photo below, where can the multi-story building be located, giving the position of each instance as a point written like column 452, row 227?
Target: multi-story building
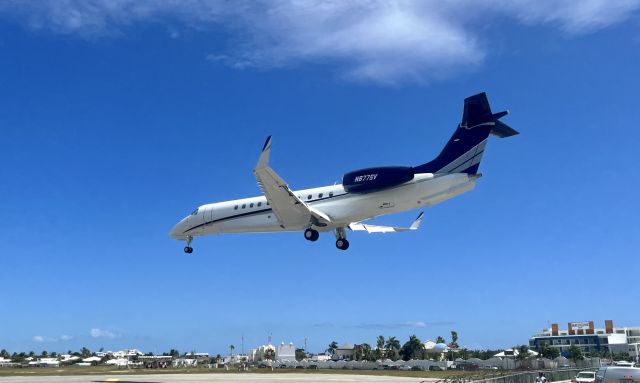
column 589, row 338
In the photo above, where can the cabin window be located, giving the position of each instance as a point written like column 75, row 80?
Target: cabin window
column 267, row 203
column 259, row 204
column 195, row 211
column 320, row 195
column 244, row 205
column 235, row 207
column 251, row 204
column 330, row 194
column 309, row 196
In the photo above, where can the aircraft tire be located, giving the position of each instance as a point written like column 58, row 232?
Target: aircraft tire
column 342, row 244
column 188, row 249
column 311, row 235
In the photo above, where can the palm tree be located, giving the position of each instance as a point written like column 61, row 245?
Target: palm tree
column 393, row 345
column 333, row 346
column 231, row 348
column 366, row 351
column 380, row 346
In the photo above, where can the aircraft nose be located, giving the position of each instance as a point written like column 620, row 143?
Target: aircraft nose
column 177, row 232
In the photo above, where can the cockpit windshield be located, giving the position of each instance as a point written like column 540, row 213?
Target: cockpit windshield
column 195, row 212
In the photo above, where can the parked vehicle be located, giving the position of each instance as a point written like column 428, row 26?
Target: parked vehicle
column 435, row 368
column 615, row 374
column 585, row 377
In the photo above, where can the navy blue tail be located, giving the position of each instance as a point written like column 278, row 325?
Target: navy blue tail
column 463, row 152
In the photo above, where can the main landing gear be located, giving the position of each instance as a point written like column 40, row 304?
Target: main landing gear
column 311, row 235
column 341, row 239
column 188, row 249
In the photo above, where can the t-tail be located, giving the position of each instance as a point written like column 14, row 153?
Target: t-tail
column 463, row 152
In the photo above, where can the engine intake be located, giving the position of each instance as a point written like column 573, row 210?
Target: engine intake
column 374, row 179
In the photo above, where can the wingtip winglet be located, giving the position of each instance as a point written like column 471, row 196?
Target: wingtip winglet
column 263, row 161
column 267, row 144
column 416, row 224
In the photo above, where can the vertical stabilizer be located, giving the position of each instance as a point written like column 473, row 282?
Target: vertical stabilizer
column 463, row 152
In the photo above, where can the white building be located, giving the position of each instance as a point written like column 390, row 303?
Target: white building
column 45, row 362
column 322, row 357
column 286, row 352
column 6, row 362
column 259, row 354
column 589, row 338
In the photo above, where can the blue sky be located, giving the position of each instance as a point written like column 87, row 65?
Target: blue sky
column 117, row 119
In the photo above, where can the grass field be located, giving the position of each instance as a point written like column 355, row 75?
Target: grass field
column 107, row 370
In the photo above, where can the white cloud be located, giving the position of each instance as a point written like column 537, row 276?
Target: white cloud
column 98, row 333
column 65, row 337
column 572, row 16
column 383, row 41
column 38, row 338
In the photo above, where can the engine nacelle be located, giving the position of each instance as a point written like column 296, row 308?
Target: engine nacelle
column 374, row 179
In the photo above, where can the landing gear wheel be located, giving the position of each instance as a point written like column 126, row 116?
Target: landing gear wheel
column 311, row 235
column 188, row 249
column 342, row 244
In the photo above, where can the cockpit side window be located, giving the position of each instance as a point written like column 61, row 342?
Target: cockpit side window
column 195, row 212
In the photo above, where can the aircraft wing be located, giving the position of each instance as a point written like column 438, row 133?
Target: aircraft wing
column 287, row 207
column 386, row 229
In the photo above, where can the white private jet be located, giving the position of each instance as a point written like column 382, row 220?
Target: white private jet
column 364, row 194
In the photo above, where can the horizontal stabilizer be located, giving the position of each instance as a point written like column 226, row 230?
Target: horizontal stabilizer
column 503, row 130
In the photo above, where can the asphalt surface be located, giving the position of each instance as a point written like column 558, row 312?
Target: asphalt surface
column 196, row 378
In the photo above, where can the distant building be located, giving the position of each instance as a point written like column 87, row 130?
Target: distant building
column 346, row 351
column 589, row 338
column 322, row 357
column 6, row 362
column 261, row 353
column 45, row 362
column 286, row 352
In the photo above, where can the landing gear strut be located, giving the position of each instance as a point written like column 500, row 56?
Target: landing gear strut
column 311, row 235
column 188, row 249
column 341, row 239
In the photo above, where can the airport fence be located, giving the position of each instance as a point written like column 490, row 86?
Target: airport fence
column 530, row 376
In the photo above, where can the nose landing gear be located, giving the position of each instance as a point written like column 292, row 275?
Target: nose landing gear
column 188, row 249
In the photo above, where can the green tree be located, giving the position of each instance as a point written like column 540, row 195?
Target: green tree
column 231, row 348
column 575, row 353
column 454, row 339
column 393, row 347
column 270, row 354
column 85, row 352
column 366, row 352
column 440, row 340
column 333, row 346
column 548, row 352
column 412, row 349
column 379, row 346
column 523, row 352
column 4, row 354
column 44, row 354
column 32, row 354
column 301, row 354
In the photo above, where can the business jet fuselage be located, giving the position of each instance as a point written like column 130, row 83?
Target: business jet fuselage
column 363, row 194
